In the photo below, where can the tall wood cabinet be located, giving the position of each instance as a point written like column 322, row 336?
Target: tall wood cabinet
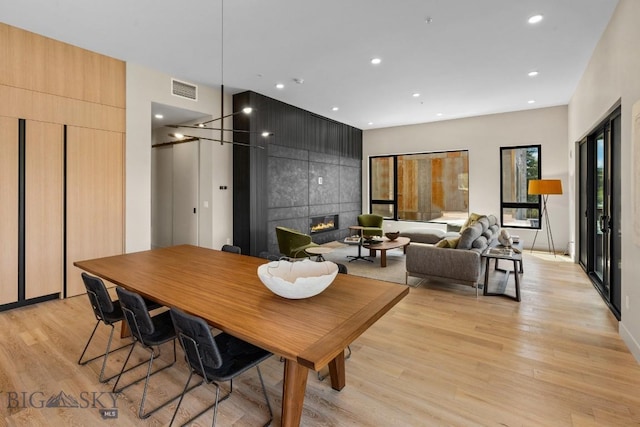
column 43, row 213
column 62, row 136
column 8, row 210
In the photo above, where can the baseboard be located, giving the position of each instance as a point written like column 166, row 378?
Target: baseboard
column 632, row 344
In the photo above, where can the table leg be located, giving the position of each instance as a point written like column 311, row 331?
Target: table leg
column 486, row 279
column 516, row 274
column 293, row 390
column 337, row 372
column 383, row 258
column 372, row 253
column 124, row 330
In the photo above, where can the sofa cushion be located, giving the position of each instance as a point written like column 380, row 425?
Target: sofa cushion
column 468, row 235
column 480, row 243
column 429, row 236
column 450, row 242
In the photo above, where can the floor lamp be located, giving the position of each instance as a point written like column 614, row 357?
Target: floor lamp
column 545, row 187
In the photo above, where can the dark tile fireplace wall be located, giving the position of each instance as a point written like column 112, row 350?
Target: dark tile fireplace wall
column 279, row 185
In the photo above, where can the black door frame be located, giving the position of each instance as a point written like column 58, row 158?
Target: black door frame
column 609, row 286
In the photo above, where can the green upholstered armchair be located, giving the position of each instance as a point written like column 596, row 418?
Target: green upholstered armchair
column 292, row 243
column 372, row 224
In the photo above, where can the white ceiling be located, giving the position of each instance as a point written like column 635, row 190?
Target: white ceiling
column 472, row 59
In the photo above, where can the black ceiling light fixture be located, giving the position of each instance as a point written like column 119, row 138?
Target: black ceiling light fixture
column 181, row 138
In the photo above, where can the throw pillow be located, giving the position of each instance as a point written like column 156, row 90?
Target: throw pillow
column 449, row 243
column 473, row 218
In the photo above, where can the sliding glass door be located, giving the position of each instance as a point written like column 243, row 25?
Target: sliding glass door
column 599, row 225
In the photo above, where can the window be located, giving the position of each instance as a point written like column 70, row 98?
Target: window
column 420, row 187
column 519, row 165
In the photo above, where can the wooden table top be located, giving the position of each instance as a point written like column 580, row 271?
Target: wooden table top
column 319, row 250
column 389, row 244
column 224, row 289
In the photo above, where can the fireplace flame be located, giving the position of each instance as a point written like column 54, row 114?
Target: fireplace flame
column 322, row 226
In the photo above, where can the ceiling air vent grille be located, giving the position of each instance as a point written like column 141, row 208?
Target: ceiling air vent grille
column 184, row 90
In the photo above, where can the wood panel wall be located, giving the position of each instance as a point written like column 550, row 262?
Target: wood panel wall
column 52, row 85
column 95, row 219
column 44, row 213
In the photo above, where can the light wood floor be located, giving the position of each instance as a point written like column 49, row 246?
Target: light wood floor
column 440, row 357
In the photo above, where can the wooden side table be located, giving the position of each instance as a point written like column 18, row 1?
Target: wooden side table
column 318, row 252
column 509, row 254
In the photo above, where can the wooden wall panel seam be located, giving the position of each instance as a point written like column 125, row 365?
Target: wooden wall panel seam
column 22, row 103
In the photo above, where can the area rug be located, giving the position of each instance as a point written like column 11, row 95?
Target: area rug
column 393, row 272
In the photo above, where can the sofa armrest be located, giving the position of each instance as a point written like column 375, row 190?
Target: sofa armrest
column 455, row 264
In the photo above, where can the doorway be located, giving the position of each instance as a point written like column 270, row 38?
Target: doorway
column 600, row 214
column 175, row 181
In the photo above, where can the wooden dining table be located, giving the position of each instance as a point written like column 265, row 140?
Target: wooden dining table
column 224, row 289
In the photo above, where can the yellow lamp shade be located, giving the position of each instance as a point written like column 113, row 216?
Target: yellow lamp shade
column 545, row 186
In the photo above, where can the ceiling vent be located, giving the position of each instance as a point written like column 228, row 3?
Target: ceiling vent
column 184, row 90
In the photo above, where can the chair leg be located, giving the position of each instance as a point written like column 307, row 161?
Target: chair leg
column 219, row 400
column 80, row 362
column 141, row 413
column 184, row 391
column 105, row 355
column 215, row 405
column 122, row 371
column 266, row 397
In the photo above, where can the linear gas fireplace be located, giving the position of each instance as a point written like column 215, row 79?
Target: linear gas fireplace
column 321, row 224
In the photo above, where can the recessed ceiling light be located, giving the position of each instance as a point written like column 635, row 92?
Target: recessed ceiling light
column 532, row 73
column 535, row 19
column 370, row 123
column 200, row 125
column 416, row 95
column 376, row 61
column 531, row 101
column 335, row 109
column 178, row 135
column 439, row 114
column 159, row 116
column 428, row 20
column 279, row 86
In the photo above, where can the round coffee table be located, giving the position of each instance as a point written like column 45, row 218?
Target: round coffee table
column 385, row 245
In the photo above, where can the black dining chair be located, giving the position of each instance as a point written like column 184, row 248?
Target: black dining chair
column 216, row 359
column 270, row 256
column 231, row 248
column 148, row 331
column 108, row 312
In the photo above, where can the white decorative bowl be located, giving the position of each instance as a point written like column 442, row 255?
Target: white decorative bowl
column 298, row 279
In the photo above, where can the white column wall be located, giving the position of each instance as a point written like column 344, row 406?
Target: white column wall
column 612, row 76
column 145, row 86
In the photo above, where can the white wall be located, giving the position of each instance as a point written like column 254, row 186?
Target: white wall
column 145, row 86
column 483, row 136
column 613, row 75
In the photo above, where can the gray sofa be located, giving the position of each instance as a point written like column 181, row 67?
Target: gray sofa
column 462, row 264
